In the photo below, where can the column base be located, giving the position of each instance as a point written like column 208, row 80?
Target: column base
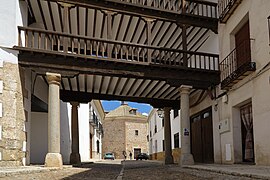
column 186, row 159
column 169, row 159
column 75, row 159
column 53, row 160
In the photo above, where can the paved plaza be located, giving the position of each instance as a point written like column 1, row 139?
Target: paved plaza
column 144, row 170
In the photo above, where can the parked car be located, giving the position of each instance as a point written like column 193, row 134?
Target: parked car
column 109, row 155
column 142, row 156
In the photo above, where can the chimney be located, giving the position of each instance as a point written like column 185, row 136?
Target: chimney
column 124, row 103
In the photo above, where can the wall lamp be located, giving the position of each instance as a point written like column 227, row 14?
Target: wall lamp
column 160, row 113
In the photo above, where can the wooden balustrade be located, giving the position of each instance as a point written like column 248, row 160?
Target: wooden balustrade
column 191, row 7
column 86, row 47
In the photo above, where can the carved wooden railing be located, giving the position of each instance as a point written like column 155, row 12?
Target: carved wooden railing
column 45, row 41
column 192, row 7
column 237, row 63
column 226, row 8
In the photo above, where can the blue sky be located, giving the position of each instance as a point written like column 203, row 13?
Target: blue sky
column 111, row 105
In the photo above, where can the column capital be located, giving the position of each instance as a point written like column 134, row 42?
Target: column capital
column 109, row 12
column 74, row 103
column 185, row 89
column 53, row 78
column 148, row 19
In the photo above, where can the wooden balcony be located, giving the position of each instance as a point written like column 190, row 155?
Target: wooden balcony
column 236, row 66
column 226, row 8
column 57, row 43
column 191, row 12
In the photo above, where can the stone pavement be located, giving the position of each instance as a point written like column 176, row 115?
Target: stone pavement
column 132, row 169
column 252, row 171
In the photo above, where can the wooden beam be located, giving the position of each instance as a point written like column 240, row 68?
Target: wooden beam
column 82, row 97
column 51, row 14
column 42, row 14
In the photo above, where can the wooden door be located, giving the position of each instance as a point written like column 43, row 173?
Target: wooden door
column 207, row 139
column 242, row 44
column 196, row 141
column 136, row 152
column 202, row 137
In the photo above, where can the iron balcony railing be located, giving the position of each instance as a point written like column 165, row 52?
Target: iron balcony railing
column 191, row 7
column 236, row 64
column 226, row 8
column 59, row 43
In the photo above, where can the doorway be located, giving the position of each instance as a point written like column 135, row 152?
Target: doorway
column 202, row 137
column 247, row 133
column 137, row 151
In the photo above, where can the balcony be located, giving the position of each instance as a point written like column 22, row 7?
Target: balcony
column 226, row 8
column 237, row 65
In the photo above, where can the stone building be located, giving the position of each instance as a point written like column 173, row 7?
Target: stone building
column 125, row 129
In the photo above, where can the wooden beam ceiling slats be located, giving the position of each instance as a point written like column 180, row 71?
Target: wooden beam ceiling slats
column 142, row 33
column 45, row 80
column 51, row 15
column 69, row 20
column 95, row 22
column 42, row 14
column 170, row 93
column 135, row 30
column 159, row 90
column 109, row 84
column 139, row 87
column 116, row 85
column 101, row 84
column 78, row 19
column 200, row 38
column 172, row 36
column 119, row 27
column 146, row 87
column 200, row 45
column 69, row 83
column 86, row 22
column 153, row 89
column 85, row 82
column 124, row 86
column 128, row 25
column 164, row 92
column 189, row 32
column 62, row 84
column 156, row 35
column 93, row 84
column 78, row 83
column 103, row 25
column 164, row 34
column 60, row 17
column 130, row 88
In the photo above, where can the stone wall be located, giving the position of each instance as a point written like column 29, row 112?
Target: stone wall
column 114, row 137
column 13, row 118
column 136, row 141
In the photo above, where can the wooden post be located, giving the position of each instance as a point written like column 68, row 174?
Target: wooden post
column 110, row 15
column 184, row 43
column 148, row 22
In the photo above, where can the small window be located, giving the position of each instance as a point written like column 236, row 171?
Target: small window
column 176, row 140
column 136, row 132
column 162, row 122
column 163, row 143
column 175, row 113
column 97, row 146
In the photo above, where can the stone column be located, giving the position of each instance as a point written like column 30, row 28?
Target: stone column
column 186, row 156
column 167, row 136
column 75, row 158
column 53, row 157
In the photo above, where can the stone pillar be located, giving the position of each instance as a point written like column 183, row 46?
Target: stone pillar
column 75, row 158
column 186, row 156
column 53, row 157
column 167, row 136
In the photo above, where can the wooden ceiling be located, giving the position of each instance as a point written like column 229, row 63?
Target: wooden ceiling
column 157, row 86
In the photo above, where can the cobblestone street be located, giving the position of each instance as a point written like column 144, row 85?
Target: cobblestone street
column 127, row 170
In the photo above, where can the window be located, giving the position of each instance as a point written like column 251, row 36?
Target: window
column 163, row 143
column 136, row 132
column 155, row 128
column 176, row 140
column 97, row 146
column 162, row 122
column 175, row 113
